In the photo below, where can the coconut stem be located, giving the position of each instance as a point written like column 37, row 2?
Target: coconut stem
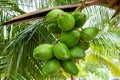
column 73, row 77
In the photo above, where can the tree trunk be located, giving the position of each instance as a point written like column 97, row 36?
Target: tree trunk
column 73, row 77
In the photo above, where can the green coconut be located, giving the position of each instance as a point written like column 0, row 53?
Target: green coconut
column 53, row 28
column 51, row 67
column 89, row 33
column 61, row 51
column 69, row 67
column 43, row 52
column 70, row 38
column 76, row 53
column 52, row 16
column 80, row 18
column 66, row 21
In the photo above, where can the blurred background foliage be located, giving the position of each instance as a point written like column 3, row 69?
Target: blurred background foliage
column 17, row 42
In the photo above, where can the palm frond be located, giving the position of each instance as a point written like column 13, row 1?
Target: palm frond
column 18, row 41
column 114, row 68
column 107, row 44
column 16, row 54
column 107, row 40
column 11, row 5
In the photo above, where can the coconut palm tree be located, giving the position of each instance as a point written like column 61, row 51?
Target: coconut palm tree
column 17, row 41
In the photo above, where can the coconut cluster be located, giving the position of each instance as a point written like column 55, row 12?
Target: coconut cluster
column 72, row 43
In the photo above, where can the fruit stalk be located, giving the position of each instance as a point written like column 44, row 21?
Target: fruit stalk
column 73, row 77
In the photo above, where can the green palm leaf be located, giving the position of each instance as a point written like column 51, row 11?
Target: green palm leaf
column 115, row 70
column 18, row 41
